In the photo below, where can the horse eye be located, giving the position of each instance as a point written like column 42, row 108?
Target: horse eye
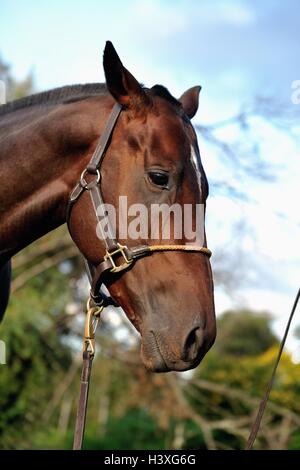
column 159, row 178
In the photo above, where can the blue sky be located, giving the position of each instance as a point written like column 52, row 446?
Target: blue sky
column 236, row 50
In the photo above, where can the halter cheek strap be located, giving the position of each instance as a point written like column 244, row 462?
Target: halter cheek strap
column 117, row 257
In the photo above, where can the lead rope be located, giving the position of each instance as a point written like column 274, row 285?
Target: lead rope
column 91, row 322
column 256, row 425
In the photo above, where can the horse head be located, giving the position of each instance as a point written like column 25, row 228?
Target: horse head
column 153, row 160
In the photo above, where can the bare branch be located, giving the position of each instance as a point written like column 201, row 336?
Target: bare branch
column 39, row 268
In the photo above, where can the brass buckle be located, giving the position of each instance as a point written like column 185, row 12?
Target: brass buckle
column 116, row 268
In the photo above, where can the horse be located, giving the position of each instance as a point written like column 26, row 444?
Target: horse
column 153, row 157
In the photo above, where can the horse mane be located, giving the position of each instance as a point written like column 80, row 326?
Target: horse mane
column 55, row 96
column 71, row 93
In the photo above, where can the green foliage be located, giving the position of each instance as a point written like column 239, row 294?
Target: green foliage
column 36, row 357
column 294, row 443
column 251, row 375
column 136, row 429
column 227, row 384
column 193, row 436
column 243, row 333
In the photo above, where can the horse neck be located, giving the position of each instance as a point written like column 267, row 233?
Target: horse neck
column 42, row 153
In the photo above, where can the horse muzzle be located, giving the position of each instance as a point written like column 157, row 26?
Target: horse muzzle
column 160, row 353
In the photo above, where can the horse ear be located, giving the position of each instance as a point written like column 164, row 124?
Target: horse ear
column 120, row 82
column 190, row 101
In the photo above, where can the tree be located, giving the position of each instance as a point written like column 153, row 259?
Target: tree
column 244, row 333
column 15, row 88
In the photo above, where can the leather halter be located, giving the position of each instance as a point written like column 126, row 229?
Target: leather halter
column 111, row 264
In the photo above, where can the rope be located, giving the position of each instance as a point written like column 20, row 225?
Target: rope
column 191, row 248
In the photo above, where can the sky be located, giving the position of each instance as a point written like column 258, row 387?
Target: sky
column 236, row 50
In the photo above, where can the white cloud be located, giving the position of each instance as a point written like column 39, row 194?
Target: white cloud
column 236, row 13
column 158, row 19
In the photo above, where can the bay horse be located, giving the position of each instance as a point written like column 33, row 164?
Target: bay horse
column 153, row 157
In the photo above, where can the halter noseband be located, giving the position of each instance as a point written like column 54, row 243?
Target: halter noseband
column 114, row 250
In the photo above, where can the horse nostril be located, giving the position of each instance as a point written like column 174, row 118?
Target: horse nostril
column 192, row 343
